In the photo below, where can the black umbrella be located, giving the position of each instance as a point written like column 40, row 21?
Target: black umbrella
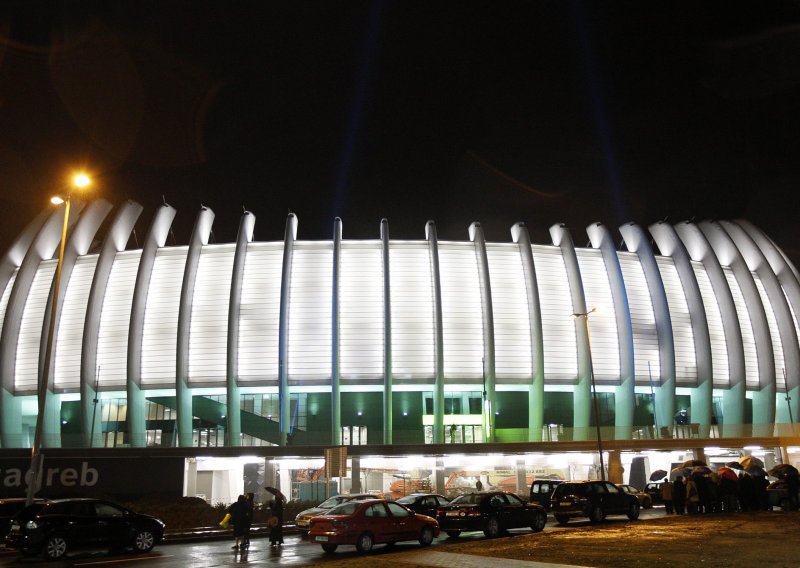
column 782, row 470
column 658, row 474
column 734, row 465
column 755, row 471
column 276, row 492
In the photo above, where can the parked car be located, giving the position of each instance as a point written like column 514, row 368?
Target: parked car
column 654, row 490
column 303, row 518
column 542, row 490
column 424, row 503
column 645, row 500
column 9, row 508
column 592, row 499
column 366, row 523
column 53, row 528
column 492, row 512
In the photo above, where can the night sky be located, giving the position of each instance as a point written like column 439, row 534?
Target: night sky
column 496, row 112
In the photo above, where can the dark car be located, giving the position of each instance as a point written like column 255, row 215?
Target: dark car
column 61, row 525
column 592, row 499
column 492, row 512
column 424, row 503
column 365, row 523
column 542, row 490
column 9, row 508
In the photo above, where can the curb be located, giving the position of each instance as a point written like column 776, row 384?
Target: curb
column 217, row 533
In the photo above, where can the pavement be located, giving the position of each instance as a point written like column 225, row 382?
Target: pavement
column 455, row 560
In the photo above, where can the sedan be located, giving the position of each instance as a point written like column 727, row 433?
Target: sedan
column 492, row 512
column 366, row 523
column 424, row 503
column 56, row 527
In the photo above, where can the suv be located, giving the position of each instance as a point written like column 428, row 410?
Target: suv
column 542, row 490
column 592, row 499
column 55, row 527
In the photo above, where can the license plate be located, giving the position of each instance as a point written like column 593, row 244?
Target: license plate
column 565, row 503
column 452, row 513
column 15, row 527
column 321, row 539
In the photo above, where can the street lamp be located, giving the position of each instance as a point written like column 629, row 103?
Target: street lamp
column 80, row 181
column 585, row 316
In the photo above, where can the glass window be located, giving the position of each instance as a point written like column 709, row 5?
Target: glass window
column 498, row 501
column 345, row 509
column 514, row 501
column 442, row 501
column 397, row 510
column 611, row 488
column 535, row 489
column 106, row 510
column 81, row 510
column 377, row 510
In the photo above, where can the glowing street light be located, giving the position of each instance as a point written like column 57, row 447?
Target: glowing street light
column 585, row 316
column 79, row 181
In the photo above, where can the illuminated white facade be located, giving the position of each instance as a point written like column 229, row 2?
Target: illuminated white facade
column 713, row 314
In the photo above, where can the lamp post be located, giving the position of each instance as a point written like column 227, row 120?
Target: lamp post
column 585, row 316
column 80, row 181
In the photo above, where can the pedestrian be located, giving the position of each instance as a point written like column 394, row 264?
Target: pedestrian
column 479, row 485
column 666, row 496
column 747, row 492
column 241, row 519
column 692, row 497
column 250, row 497
column 792, row 486
column 276, row 532
column 679, row 495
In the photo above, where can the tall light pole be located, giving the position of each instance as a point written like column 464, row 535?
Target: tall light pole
column 80, row 181
column 585, row 316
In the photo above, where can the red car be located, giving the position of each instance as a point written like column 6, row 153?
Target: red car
column 366, row 523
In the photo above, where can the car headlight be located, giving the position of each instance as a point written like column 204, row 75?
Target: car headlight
column 31, row 525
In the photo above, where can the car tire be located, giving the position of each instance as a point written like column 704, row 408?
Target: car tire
column 55, row 547
column 328, row 547
column 633, row 510
column 365, row 542
column 597, row 515
column 453, row 534
column 539, row 522
column 493, row 528
column 426, row 536
column 143, row 541
column 562, row 519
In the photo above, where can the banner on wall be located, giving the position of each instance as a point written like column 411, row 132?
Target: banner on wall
column 120, row 478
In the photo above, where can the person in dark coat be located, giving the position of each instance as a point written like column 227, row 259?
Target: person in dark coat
column 679, row 495
column 276, row 532
column 241, row 519
column 747, row 492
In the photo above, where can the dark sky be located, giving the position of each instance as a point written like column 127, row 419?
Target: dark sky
column 496, row 112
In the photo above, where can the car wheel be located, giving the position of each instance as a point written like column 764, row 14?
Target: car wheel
column 633, row 510
column 597, row 515
column 539, row 522
column 492, row 529
column 562, row 519
column 364, row 543
column 453, row 534
column 55, row 547
column 426, row 536
column 328, row 547
column 144, row 541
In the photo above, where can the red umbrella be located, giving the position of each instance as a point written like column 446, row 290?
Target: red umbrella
column 727, row 473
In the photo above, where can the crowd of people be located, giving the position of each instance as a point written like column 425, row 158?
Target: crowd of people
column 241, row 517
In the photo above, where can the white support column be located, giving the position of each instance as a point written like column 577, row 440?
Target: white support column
column 669, row 244
column 233, row 431
column 285, row 420
column 42, row 247
column 757, row 262
column 490, row 379
column 624, row 399
column 729, row 255
column 156, row 237
column 388, row 427
column 636, row 240
column 582, row 393
column 519, row 234
column 336, row 379
column 80, row 240
column 438, row 391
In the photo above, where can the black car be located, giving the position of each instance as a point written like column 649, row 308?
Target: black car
column 592, row 499
column 492, row 512
column 542, row 490
column 10, row 508
column 424, row 503
column 57, row 526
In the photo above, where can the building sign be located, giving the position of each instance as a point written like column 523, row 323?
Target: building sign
column 120, row 478
column 336, row 462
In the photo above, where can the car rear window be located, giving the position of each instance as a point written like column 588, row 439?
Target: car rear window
column 571, row 489
column 345, row 509
column 468, row 499
column 406, row 500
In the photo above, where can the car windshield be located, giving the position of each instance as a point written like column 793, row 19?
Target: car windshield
column 407, row 500
column 468, row 499
column 571, row 489
column 332, row 502
column 345, row 509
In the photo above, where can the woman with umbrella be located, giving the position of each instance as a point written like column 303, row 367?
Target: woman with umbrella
column 276, row 522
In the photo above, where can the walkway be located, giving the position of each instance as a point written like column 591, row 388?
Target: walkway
column 429, row 557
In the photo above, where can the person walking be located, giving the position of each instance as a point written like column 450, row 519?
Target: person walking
column 679, row 495
column 241, row 519
column 250, row 499
column 276, row 532
column 666, row 496
column 479, row 485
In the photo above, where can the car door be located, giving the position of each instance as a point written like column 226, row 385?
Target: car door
column 404, row 523
column 115, row 523
column 517, row 513
column 615, row 498
column 380, row 523
column 498, row 507
column 428, row 506
column 81, row 525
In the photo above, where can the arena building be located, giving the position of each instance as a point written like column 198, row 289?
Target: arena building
column 688, row 334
